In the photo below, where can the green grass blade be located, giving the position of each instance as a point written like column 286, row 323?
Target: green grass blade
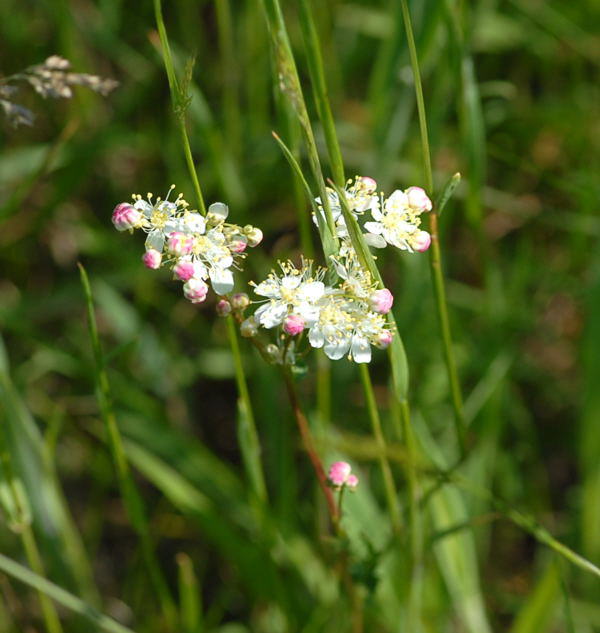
column 319, row 86
column 99, row 621
column 131, row 496
column 190, row 595
column 539, row 611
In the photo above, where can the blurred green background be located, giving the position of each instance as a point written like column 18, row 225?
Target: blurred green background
column 512, row 98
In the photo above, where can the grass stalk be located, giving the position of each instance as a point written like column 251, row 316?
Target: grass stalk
column 317, row 76
column 98, row 620
column 180, row 100
column 247, row 434
column 435, row 258
column 132, row 499
column 289, row 83
column 28, row 540
column 388, row 479
column 249, row 444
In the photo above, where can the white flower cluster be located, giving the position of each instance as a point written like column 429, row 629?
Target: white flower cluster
column 395, row 220
column 344, row 320
column 197, row 248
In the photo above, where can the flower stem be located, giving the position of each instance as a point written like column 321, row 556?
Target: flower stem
column 435, row 251
column 388, row 479
column 247, row 434
column 309, row 446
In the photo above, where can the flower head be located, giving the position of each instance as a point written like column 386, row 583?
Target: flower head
column 397, row 220
column 296, row 291
column 198, row 249
column 360, row 197
column 340, row 475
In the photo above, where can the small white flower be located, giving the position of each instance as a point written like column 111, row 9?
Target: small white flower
column 347, row 327
column 397, row 222
column 360, row 197
column 295, row 291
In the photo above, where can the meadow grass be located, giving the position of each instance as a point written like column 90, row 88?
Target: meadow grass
column 152, row 475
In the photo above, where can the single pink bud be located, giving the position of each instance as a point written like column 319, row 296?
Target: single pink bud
column 384, row 339
column 418, row 199
column 381, row 301
column 338, row 473
column 126, row 216
column 293, row 324
column 180, row 244
column 422, row 241
column 369, row 184
column 223, row 307
column 352, row 482
column 195, row 290
column 152, row 258
column 237, row 246
column 184, row 270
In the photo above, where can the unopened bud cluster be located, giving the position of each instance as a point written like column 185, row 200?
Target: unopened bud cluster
column 340, row 476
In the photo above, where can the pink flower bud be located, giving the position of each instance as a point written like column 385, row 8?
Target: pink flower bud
column 384, row 339
column 180, row 244
column 381, row 301
column 152, row 258
column 418, row 199
column 126, row 216
column 352, row 482
column 369, row 184
column 195, row 290
column 422, row 241
column 338, row 473
column 223, row 307
column 240, row 301
column 293, row 324
column 237, row 246
column 184, row 270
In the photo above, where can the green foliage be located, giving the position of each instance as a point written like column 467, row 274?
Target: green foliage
column 220, row 495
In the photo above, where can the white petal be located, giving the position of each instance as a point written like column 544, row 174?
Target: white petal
column 361, row 349
column 220, row 209
column 311, row 291
column 155, row 240
column 268, row 288
column 315, row 337
column 374, row 227
column 376, row 213
column 289, row 282
column 145, row 207
column 308, row 312
column 200, row 270
column 222, row 280
column 375, row 240
column 271, row 314
column 337, row 348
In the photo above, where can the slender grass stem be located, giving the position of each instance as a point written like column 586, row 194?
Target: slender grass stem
column 435, row 251
column 27, row 535
column 388, row 479
column 32, row 552
column 98, row 620
column 309, row 446
column 180, row 100
column 317, row 76
column 248, row 435
column 250, row 445
column 132, row 499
